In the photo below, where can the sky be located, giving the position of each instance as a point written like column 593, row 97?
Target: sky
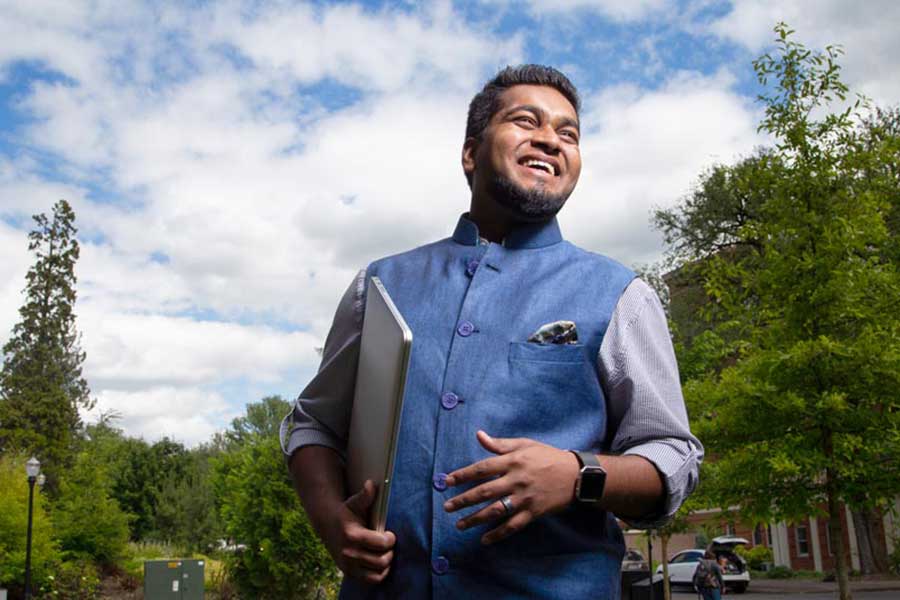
column 233, row 164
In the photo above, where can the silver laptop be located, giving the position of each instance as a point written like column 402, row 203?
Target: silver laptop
column 378, row 402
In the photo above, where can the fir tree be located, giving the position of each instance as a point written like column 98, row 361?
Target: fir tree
column 41, row 384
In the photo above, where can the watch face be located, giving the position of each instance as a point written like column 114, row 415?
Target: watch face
column 593, row 480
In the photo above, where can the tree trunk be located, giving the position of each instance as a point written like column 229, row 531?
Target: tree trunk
column 836, row 529
column 664, row 553
column 872, row 549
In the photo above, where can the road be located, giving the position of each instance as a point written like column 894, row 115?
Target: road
column 751, row 595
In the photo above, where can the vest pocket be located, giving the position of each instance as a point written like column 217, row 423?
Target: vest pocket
column 559, row 353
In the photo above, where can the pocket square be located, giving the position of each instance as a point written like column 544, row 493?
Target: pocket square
column 557, row 332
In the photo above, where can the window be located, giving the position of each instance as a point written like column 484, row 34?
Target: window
column 802, row 540
column 729, row 528
column 758, row 535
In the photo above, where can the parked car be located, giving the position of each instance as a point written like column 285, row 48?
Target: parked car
column 735, row 573
column 634, row 561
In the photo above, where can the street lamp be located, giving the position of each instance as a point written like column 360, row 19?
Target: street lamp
column 33, row 470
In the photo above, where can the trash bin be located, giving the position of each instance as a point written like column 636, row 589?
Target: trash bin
column 629, row 578
column 640, row 590
column 173, row 579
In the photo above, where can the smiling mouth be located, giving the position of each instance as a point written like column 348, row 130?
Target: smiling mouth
column 540, row 165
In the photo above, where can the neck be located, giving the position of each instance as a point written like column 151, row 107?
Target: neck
column 493, row 221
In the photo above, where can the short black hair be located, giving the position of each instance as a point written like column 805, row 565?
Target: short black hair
column 487, row 102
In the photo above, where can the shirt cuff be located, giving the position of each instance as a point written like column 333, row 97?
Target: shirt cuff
column 677, row 462
column 298, row 436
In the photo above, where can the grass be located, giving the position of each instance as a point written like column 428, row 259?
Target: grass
column 138, row 552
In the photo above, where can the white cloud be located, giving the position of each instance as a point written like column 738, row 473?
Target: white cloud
column 643, row 150
column 188, row 415
column 866, row 30
column 617, row 10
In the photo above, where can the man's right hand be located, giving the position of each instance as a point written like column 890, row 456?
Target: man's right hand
column 360, row 552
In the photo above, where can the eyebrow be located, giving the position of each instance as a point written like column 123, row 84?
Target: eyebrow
column 564, row 121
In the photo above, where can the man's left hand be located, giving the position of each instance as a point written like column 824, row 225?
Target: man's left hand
column 536, row 478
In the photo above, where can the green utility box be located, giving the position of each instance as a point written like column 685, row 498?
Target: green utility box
column 173, row 579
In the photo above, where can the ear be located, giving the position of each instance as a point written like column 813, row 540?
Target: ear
column 470, row 147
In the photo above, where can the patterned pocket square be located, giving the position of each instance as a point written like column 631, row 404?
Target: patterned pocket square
column 558, row 332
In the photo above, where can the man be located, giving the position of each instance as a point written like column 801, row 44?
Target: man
column 537, row 369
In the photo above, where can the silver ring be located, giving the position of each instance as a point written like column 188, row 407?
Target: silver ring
column 507, row 504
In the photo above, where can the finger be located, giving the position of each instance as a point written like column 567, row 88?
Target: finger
column 377, row 541
column 375, row 576
column 489, row 467
column 363, row 559
column 494, row 511
column 360, row 502
column 502, row 445
column 485, row 492
column 515, row 523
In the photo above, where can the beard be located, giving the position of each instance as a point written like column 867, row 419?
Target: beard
column 533, row 205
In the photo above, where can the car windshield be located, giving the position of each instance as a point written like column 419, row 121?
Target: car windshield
column 633, row 555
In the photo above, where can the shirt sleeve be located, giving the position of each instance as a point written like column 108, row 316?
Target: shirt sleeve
column 321, row 414
column 647, row 416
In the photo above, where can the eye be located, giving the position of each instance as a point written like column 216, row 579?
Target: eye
column 569, row 135
column 526, row 120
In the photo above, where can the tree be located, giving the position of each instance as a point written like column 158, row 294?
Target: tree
column 88, row 522
column 41, row 385
column 800, row 272
column 283, row 557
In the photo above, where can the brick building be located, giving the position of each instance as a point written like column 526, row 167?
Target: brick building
column 802, row 545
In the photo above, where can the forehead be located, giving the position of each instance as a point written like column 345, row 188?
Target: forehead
column 544, row 97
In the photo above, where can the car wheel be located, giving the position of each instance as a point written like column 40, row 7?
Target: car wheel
column 740, row 588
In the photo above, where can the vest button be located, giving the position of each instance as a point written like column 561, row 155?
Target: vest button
column 449, row 400
column 471, row 267
column 440, row 482
column 465, row 329
column 440, row 565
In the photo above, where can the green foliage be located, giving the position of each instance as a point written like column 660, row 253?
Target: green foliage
column 755, row 556
column 794, row 251
column 76, row 580
column 14, row 526
column 41, row 386
column 186, row 506
column 87, row 520
column 283, row 558
column 779, row 572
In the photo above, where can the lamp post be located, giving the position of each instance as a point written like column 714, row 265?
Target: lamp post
column 33, row 469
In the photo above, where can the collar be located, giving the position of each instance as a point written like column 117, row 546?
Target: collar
column 531, row 235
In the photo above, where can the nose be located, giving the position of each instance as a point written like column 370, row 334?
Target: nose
column 546, row 139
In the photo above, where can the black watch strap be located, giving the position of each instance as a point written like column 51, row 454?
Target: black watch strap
column 586, row 459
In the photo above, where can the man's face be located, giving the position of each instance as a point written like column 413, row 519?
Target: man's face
column 528, row 159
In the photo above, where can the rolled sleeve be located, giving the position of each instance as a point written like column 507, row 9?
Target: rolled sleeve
column 321, row 414
column 647, row 416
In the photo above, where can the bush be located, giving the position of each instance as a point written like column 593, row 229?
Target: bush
column 756, row 556
column 283, row 558
column 779, row 572
column 89, row 523
column 14, row 527
column 75, row 580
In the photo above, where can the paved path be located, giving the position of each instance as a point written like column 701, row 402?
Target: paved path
column 805, row 589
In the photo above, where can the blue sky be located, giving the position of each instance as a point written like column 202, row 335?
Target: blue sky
column 233, row 164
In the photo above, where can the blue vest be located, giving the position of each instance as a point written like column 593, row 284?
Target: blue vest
column 471, row 307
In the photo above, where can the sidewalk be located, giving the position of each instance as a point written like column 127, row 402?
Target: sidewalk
column 812, row 586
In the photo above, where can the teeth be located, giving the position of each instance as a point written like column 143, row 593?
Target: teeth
column 541, row 165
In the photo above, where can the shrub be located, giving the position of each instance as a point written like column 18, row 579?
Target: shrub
column 755, row 556
column 283, row 558
column 14, row 527
column 75, row 580
column 89, row 523
column 780, row 572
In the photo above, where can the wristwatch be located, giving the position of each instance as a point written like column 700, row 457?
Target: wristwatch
column 591, row 478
